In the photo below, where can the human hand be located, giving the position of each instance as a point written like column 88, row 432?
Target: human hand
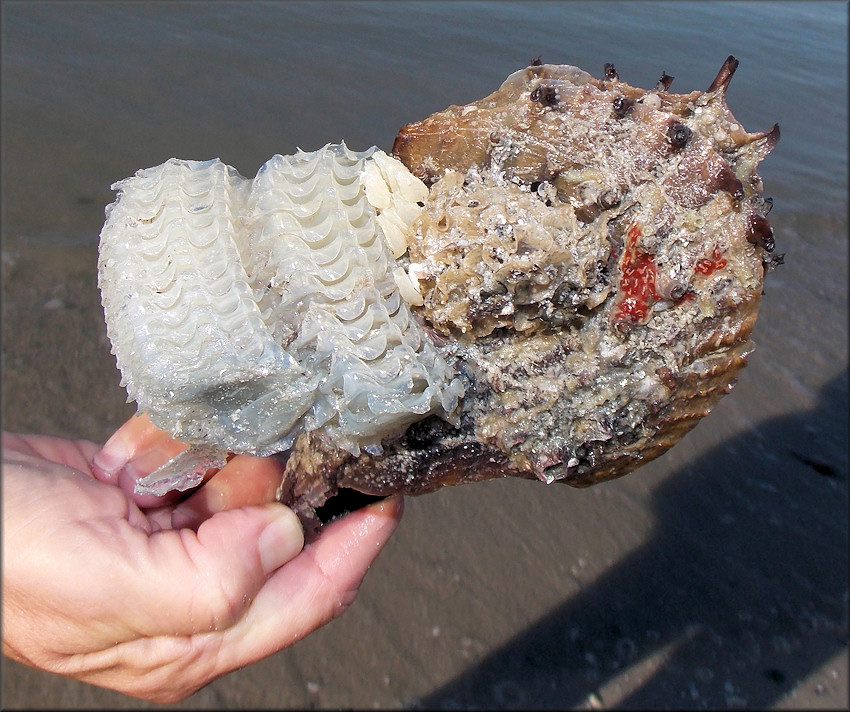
column 156, row 597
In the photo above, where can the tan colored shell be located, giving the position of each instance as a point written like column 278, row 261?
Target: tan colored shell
column 590, row 260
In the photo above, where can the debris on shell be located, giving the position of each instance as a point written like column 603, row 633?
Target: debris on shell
column 574, row 265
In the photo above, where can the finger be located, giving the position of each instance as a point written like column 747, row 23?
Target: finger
column 73, row 453
column 137, row 436
column 314, row 587
column 245, row 480
column 135, row 450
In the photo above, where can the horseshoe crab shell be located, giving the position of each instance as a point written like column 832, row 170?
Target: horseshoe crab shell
column 569, row 289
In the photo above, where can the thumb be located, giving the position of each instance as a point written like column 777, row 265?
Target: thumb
column 273, row 530
column 314, row 587
column 210, row 577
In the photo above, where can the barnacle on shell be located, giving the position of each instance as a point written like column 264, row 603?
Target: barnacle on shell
column 567, row 291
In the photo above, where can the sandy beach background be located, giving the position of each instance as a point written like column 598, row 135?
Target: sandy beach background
column 714, row 577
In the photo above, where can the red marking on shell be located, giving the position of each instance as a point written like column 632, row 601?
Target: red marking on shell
column 637, row 282
column 712, row 264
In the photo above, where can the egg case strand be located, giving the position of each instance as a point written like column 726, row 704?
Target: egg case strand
column 244, row 312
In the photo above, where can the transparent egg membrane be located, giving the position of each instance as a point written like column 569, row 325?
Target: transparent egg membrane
column 245, row 312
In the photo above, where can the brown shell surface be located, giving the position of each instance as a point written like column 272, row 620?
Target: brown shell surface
column 591, row 259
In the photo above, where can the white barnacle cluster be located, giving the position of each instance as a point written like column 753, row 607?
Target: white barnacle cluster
column 244, row 312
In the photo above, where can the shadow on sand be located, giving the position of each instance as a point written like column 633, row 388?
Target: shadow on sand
column 739, row 594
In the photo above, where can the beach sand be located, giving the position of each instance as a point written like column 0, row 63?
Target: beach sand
column 710, row 577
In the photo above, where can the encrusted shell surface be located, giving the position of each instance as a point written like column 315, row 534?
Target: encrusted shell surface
column 592, row 256
column 567, row 290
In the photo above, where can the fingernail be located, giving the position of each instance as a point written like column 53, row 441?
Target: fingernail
column 112, row 456
column 390, row 509
column 394, row 505
column 187, row 516
column 281, row 540
column 203, row 504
